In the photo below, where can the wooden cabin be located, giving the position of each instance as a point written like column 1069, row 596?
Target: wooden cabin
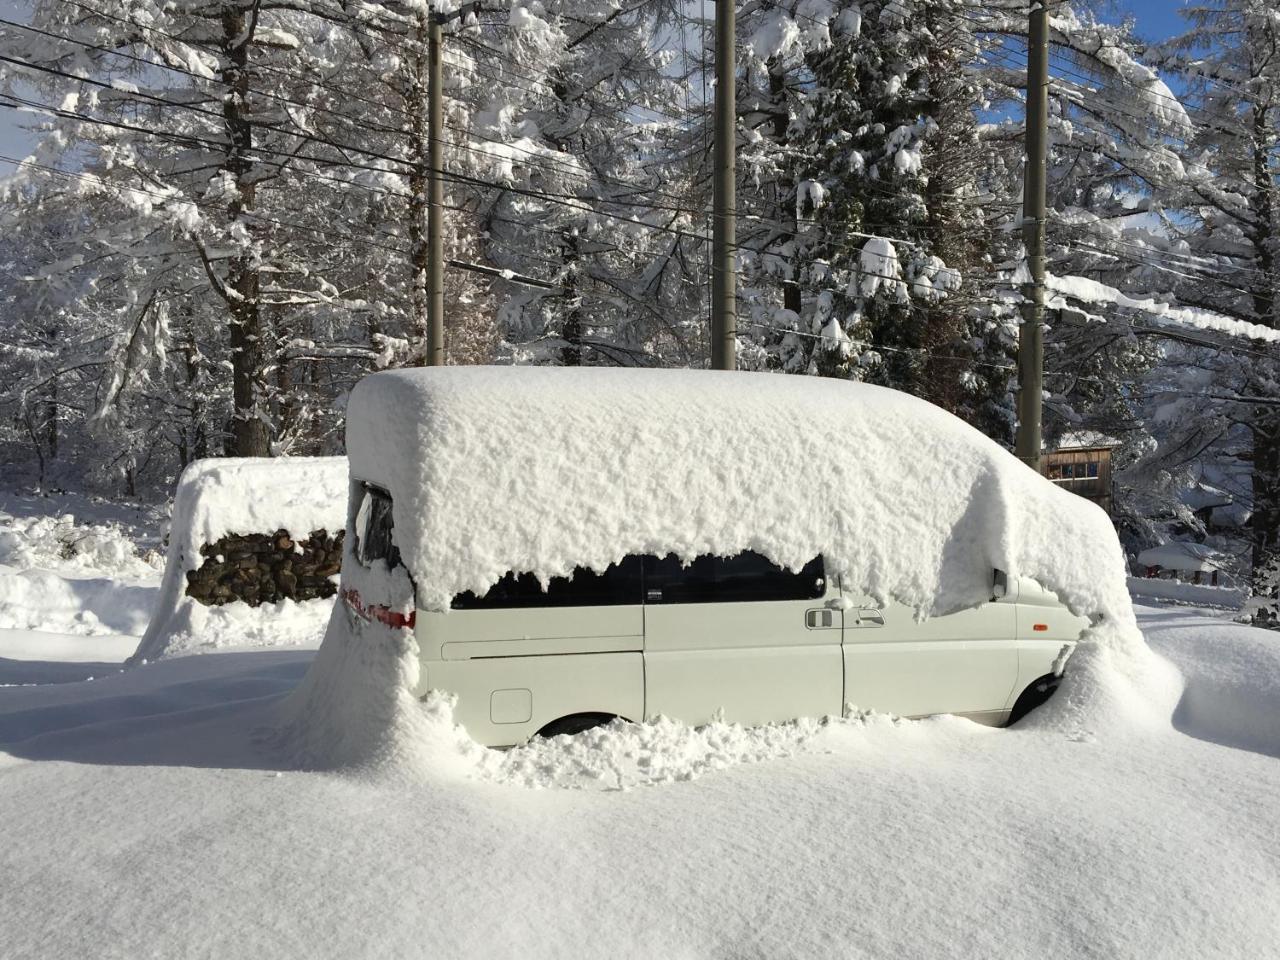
column 1081, row 463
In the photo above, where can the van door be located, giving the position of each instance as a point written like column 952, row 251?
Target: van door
column 965, row 663
column 520, row 656
column 742, row 638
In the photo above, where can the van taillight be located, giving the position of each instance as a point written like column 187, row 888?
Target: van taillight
column 375, row 611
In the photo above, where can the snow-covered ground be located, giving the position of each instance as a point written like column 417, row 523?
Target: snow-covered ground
column 78, row 581
column 148, row 814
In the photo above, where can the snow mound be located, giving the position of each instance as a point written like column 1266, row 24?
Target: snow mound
column 1191, row 594
column 73, row 577
column 622, row 755
column 540, row 470
column 354, row 711
column 1232, row 692
column 193, row 627
column 67, row 545
column 242, row 496
column 44, row 601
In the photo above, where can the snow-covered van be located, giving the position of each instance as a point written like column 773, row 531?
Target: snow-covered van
column 568, row 546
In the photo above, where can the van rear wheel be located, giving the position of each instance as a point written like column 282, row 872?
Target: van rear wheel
column 574, row 724
column 1037, row 694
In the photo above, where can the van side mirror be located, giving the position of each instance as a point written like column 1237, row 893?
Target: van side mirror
column 999, row 585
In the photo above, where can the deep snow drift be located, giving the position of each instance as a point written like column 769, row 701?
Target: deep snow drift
column 219, row 497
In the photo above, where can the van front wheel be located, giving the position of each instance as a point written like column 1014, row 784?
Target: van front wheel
column 576, row 723
column 1037, row 694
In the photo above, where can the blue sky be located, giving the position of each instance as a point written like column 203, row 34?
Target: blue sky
column 1156, row 19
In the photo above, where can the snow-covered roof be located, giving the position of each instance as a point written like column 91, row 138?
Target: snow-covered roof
column 494, row 469
column 1083, row 440
column 1205, row 495
column 255, row 495
column 1182, row 556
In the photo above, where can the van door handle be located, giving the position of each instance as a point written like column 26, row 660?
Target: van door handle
column 820, row 619
column 870, row 617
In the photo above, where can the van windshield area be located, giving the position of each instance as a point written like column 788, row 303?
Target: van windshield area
column 374, row 529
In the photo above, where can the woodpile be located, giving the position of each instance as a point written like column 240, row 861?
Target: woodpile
column 264, row 568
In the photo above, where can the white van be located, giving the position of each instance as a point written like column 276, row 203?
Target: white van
column 738, row 638
column 692, row 530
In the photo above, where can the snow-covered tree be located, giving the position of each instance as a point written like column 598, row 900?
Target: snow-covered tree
column 1228, row 229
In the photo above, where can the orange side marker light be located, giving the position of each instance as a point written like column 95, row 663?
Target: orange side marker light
column 1040, row 626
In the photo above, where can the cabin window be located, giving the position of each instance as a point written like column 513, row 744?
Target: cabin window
column 374, row 529
column 1091, row 469
column 745, row 577
column 618, row 584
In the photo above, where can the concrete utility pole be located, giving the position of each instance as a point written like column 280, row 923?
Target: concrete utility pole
column 724, row 321
column 1031, row 330
column 435, row 191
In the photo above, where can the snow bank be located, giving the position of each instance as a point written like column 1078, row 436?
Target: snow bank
column 1233, row 678
column 1183, row 556
column 80, row 606
column 216, row 498
column 542, row 469
column 68, row 545
column 1194, row 594
column 73, row 576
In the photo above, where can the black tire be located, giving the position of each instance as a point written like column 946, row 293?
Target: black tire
column 1037, row 694
column 575, row 724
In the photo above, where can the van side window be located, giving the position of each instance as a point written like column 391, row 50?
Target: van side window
column 374, row 528
column 742, row 578
column 618, row 584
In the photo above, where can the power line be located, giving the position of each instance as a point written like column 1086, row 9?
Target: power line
column 567, row 200
column 562, row 199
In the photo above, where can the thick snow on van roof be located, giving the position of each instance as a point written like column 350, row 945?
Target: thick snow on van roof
column 494, row 469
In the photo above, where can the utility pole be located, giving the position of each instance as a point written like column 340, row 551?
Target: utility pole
column 435, row 191
column 724, row 322
column 1031, row 330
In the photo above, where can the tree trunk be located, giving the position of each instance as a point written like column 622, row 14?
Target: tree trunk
column 250, row 434
column 286, row 398
column 792, row 298
column 1265, row 522
column 1265, row 234
column 193, row 364
column 419, row 250
column 571, row 352
column 51, row 425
